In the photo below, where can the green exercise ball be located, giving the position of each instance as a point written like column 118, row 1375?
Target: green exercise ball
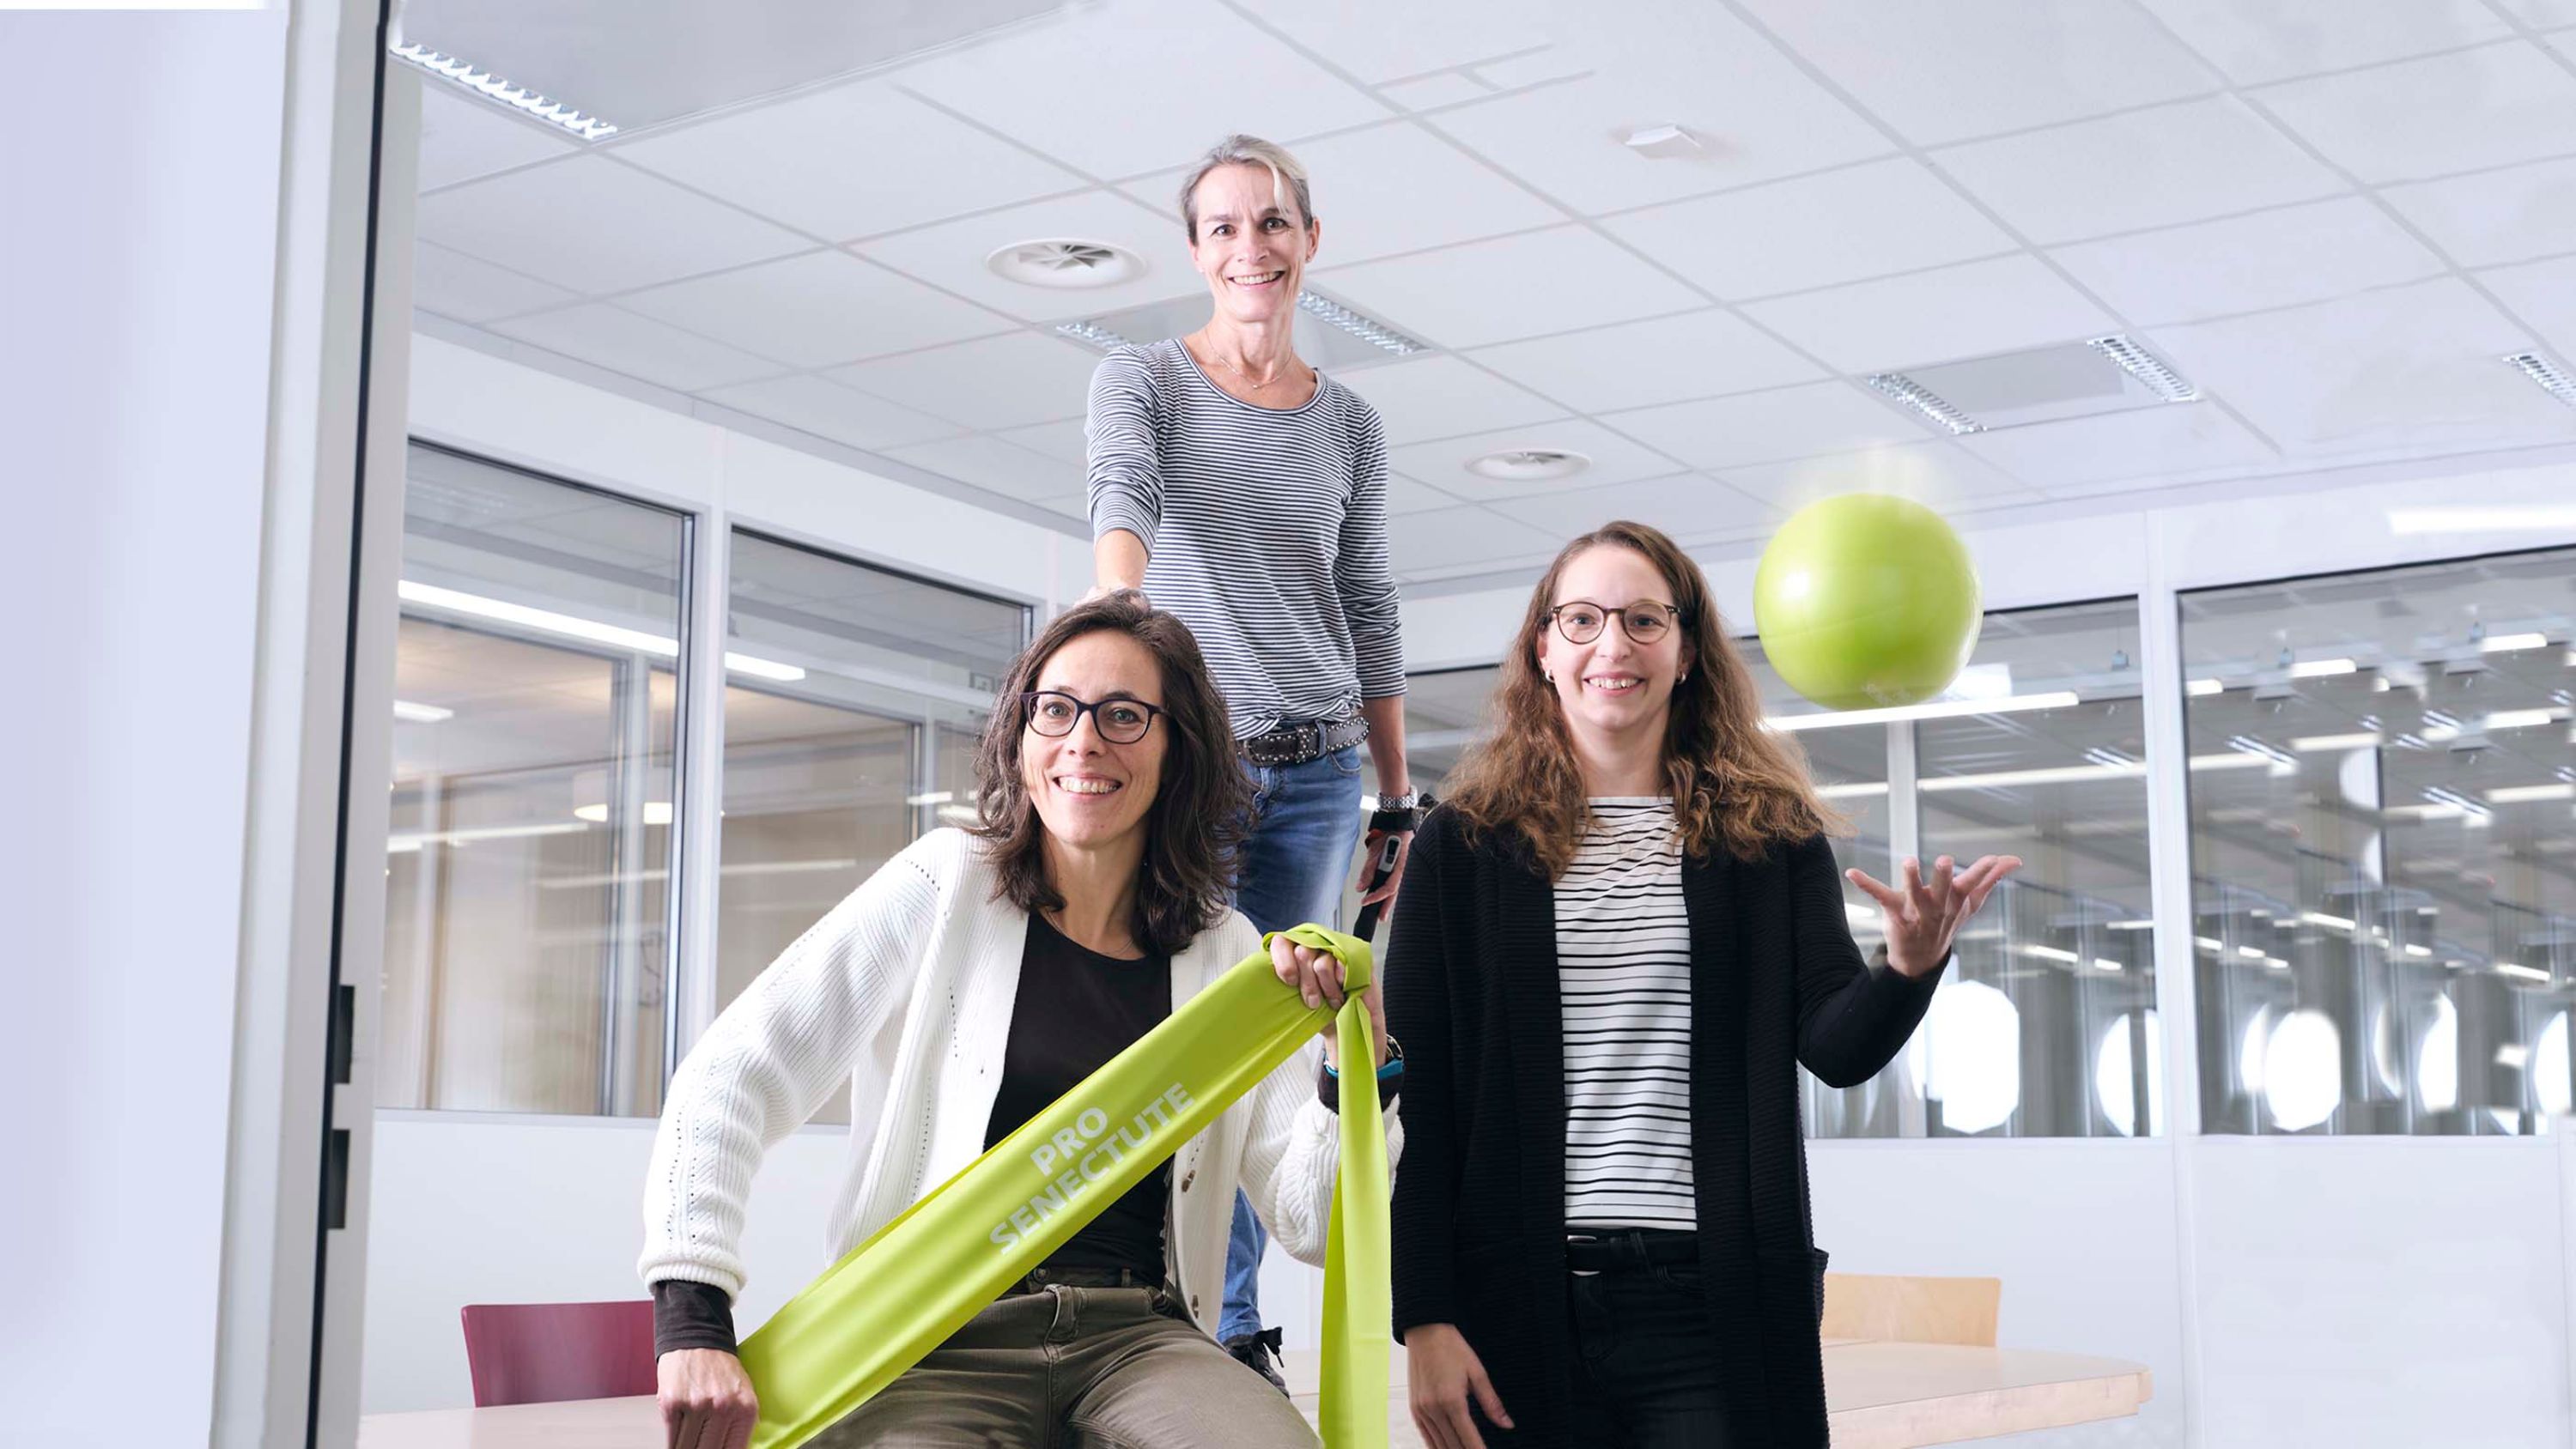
column 1867, row 600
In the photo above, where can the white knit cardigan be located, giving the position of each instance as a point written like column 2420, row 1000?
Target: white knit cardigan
column 907, row 989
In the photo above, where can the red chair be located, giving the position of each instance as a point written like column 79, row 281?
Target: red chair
column 542, row 1353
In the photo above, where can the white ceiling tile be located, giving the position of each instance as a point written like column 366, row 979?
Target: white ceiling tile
column 453, row 284
column 1670, row 62
column 816, row 310
column 1453, row 538
column 952, row 255
column 2154, row 167
column 1937, row 474
column 988, row 462
column 1639, row 364
column 1513, row 287
column 639, row 347
column 1408, row 495
column 595, row 226
column 1441, row 397
column 1423, row 93
column 1379, row 43
column 1975, row 67
column 2298, row 254
column 1066, row 441
column 2544, row 14
column 1815, row 231
column 1761, row 427
column 1939, row 316
column 462, row 138
column 2485, row 107
column 1443, row 464
column 1692, row 507
column 2255, row 41
column 2543, row 295
column 2412, row 370
column 1118, row 90
column 998, row 382
column 829, row 410
column 829, row 162
column 2513, row 215
column 2120, row 451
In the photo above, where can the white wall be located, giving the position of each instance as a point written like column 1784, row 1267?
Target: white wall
column 2353, row 1291
column 137, row 263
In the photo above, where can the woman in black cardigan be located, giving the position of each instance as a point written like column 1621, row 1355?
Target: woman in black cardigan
column 1620, row 936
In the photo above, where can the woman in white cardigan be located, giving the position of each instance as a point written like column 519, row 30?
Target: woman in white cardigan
column 965, row 985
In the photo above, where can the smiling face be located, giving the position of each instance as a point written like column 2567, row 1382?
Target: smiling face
column 1614, row 689
column 1252, row 246
column 1090, row 793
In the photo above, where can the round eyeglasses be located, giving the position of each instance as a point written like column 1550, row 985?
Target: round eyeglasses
column 1120, row 721
column 1581, row 620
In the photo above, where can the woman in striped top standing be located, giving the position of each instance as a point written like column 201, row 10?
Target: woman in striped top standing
column 1622, row 937
column 1246, row 493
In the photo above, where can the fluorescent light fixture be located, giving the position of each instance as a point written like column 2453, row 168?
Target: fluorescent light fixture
column 2147, row 368
column 2233, row 761
column 934, row 797
column 2525, row 794
column 2531, row 518
column 1093, row 333
column 2198, row 687
column 2548, row 376
column 2274, row 753
column 2320, row 918
column 2414, row 950
column 2050, row 953
column 2209, row 943
column 2106, row 963
column 2053, row 775
column 2276, row 963
column 2507, row 643
column 1859, row 913
column 2322, row 668
column 2520, row 719
column 656, row 812
column 2252, row 952
column 1937, row 709
column 404, row 844
column 573, row 626
column 1925, row 401
column 1861, row 791
column 517, row 98
column 2128, row 925
column 2310, row 744
column 2516, row 968
column 411, row 713
column 1366, row 329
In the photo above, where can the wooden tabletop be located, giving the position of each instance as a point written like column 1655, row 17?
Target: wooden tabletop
column 1880, row 1396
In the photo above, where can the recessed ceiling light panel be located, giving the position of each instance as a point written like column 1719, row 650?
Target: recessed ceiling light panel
column 2552, row 379
column 1065, row 263
column 517, row 98
column 1529, row 465
column 2147, row 368
column 1925, row 401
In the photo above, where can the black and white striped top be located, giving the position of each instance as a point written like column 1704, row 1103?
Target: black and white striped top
column 1264, row 530
column 1623, row 954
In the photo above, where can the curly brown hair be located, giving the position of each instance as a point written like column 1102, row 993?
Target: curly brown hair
column 1732, row 781
column 1185, row 884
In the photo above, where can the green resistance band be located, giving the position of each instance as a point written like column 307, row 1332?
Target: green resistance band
column 920, row 1278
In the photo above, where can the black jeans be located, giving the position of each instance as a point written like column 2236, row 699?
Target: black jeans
column 1645, row 1371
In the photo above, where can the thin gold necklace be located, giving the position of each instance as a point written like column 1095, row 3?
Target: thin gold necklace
column 1238, row 368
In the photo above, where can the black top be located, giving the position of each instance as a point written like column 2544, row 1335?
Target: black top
column 1471, row 988
column 1075, row 1010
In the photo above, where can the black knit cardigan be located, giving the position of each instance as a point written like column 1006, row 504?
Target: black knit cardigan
column 1471, row 990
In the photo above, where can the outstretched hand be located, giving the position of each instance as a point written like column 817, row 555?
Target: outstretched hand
column 1923, row 915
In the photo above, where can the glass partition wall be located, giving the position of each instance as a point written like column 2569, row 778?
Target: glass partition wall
column 2384, row 848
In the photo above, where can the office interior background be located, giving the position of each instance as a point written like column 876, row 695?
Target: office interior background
column 515, row 569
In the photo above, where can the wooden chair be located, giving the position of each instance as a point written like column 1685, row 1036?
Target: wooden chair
column 1912, row 1310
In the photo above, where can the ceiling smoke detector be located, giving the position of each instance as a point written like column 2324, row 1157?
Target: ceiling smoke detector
column 1662, row 143
column 1065, row 264
column 1529, row 465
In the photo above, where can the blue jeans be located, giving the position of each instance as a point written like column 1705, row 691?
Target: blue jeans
column 1305, row 834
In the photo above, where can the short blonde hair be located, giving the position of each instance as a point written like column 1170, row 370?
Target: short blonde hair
column 1286, row 173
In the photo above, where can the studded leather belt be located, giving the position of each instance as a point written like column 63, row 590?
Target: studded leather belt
column 1295, row 744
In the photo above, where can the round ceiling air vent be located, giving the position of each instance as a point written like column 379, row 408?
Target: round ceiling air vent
column 1529, row 465
column 1065, row 263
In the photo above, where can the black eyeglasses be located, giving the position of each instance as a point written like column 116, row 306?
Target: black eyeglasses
column 1120, row 721
column 1581, row 620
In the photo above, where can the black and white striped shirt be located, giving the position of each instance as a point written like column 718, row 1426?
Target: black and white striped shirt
column 1623, row 954
column 1264, row 530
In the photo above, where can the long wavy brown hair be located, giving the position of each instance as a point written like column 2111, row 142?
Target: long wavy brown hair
column 1185, row 884
column 1732, row 781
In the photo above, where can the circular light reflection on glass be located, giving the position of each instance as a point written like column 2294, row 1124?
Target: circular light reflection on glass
column 2115, row 1081
column 2437, row 1059
column 1968, row 1056
column 2549, row 1068
column 2303, row 1070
